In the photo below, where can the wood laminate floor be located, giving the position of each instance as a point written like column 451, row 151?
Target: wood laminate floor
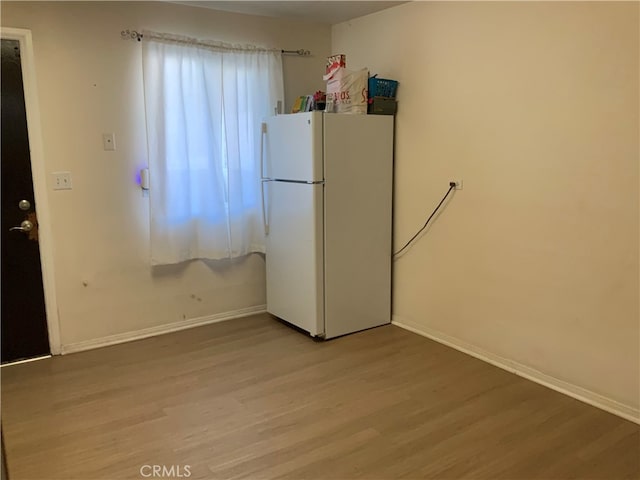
column 252, row 398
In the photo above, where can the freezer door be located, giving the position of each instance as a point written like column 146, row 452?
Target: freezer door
column 293, row 147
column 294, row 257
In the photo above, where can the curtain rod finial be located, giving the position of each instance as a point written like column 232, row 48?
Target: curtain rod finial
column 131, row 34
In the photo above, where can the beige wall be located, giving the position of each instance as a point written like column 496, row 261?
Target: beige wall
column 90, row 82
column 535, row 106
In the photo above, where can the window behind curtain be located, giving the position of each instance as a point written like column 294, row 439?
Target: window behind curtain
column 204, row 108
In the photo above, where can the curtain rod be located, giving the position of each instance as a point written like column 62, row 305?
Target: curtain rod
column 135, row 35
column 301, row 52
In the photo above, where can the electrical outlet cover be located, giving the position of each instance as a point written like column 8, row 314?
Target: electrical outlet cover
column 109, row 141
column 62, row 181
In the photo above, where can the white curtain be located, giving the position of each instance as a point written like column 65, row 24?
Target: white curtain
column 204, row 108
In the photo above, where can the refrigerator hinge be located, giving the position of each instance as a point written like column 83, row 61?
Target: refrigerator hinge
column 264, row 127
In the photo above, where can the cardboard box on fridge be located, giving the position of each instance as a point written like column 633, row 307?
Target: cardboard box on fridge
column 382, row 106
column 334, row 62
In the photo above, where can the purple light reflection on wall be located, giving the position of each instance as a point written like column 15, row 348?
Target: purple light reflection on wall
column 137, row 175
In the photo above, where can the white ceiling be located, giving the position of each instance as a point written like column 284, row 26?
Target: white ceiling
column 329, row 12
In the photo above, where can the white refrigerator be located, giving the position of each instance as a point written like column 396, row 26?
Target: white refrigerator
column 327, row 206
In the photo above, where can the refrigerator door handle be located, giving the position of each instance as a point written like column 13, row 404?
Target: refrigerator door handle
column 263, row 132
column 265, row 224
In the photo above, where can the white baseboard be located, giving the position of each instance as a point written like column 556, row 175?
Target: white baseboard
column 161, row 329
column 612, row 406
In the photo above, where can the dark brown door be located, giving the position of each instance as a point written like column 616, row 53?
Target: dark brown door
column 24, row 322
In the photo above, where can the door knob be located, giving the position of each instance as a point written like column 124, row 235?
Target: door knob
column 25, row 226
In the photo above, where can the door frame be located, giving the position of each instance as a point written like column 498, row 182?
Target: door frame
column 39, row 178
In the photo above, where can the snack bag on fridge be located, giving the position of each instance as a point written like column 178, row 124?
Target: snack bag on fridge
column 347, row 91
